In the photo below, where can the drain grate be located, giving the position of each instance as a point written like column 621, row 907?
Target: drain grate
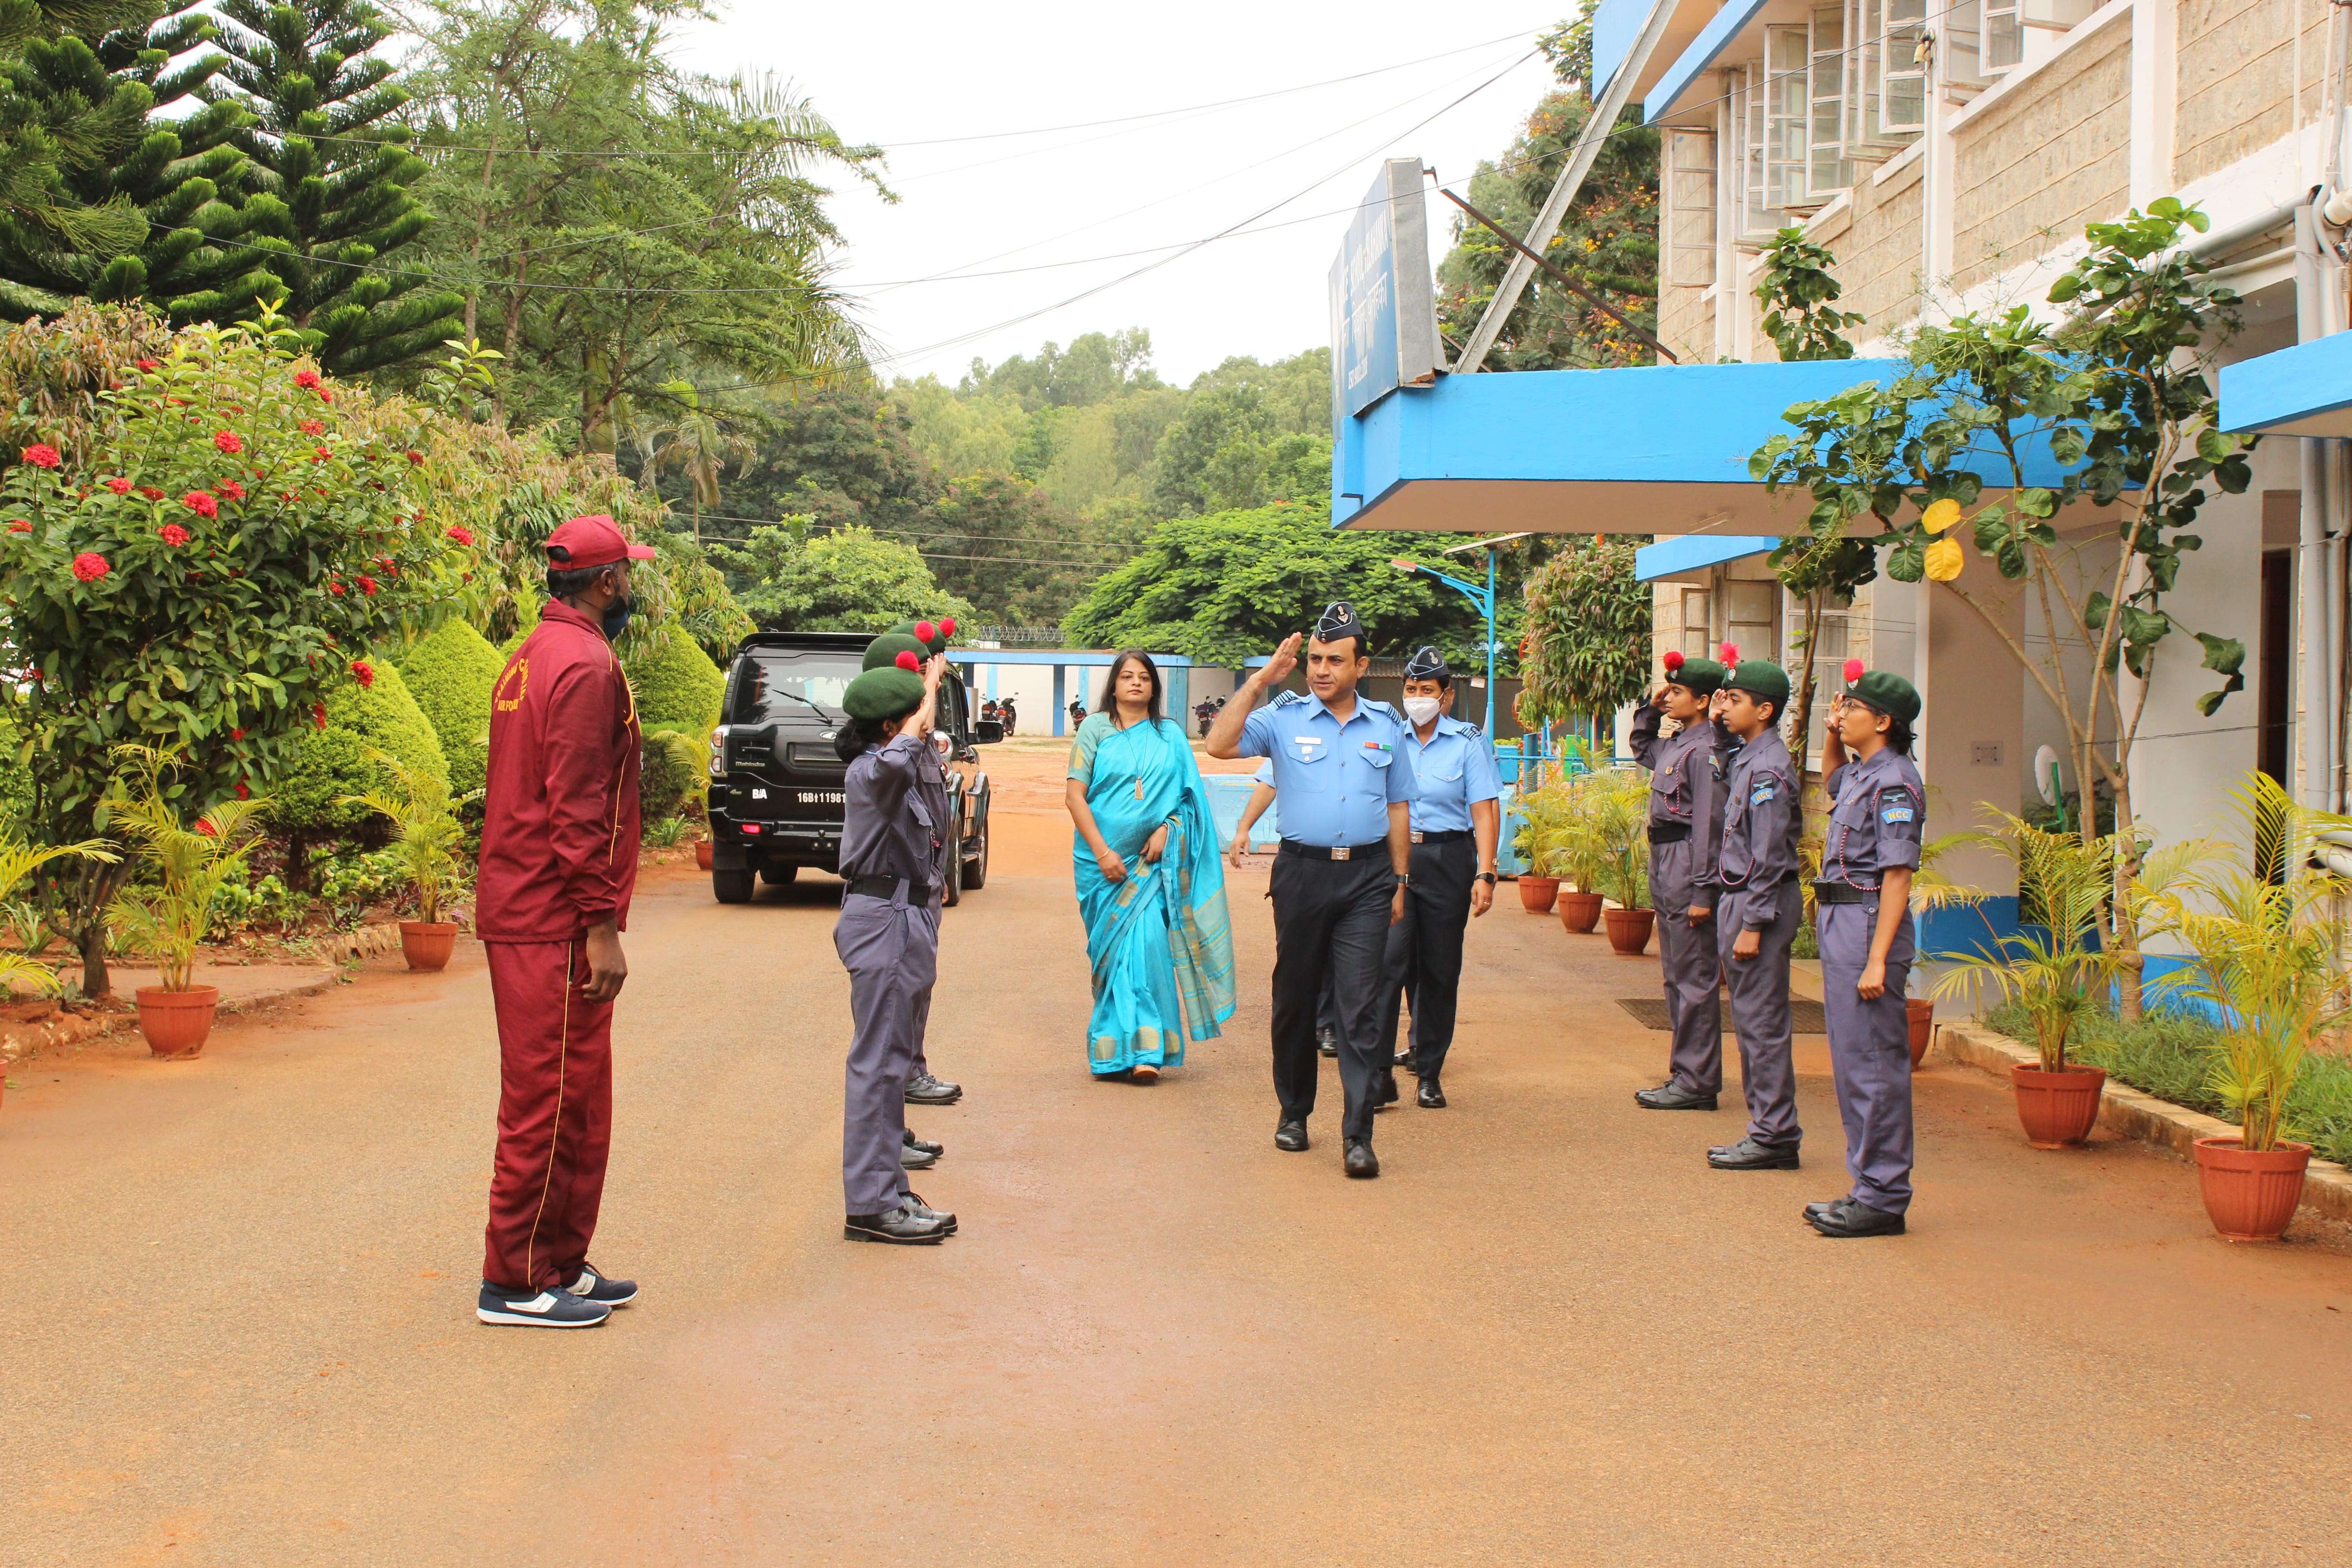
column 1804, row 1017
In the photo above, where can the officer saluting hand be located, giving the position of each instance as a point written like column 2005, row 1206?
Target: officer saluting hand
column 1344, row 780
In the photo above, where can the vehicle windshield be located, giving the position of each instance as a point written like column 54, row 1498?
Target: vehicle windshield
column 783, row 683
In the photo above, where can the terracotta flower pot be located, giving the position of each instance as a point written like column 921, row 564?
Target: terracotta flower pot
column 427, row 946
column 702, row 854
column 1580, row 913
column 176, row 1023
column 2251, row 1197
column 1629, row 930
column 1538, row 893
column 2057, row 1108
column 1922, row 1011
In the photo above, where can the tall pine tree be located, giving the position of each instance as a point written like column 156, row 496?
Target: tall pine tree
column 45, row 143
column 330, row 204
column 182, row 175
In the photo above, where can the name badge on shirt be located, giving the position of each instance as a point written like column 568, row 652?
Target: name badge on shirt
column 1307, row 745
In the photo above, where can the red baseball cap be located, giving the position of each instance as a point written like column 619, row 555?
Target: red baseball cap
column 591, row 541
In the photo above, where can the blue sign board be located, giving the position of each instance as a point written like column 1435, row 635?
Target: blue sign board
column 1383, row 305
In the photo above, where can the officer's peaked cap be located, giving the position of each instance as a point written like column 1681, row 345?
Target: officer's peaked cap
column 1339, row 620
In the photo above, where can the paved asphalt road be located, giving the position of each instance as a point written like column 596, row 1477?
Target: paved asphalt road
column 241, row 1292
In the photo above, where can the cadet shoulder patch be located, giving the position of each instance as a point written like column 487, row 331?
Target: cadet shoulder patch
column 1896, row 804
column 1765, row 788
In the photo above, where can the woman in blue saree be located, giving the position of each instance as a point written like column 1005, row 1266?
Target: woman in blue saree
column 1151, row 885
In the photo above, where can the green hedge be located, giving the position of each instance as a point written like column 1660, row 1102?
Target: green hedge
column 334, row 761
column 450, row 674
column 675, row 771
column 676, row 683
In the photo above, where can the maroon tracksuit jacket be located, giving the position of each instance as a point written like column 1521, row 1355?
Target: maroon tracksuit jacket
column 559, row 855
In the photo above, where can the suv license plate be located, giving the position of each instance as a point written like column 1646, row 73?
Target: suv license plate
column 823, row 797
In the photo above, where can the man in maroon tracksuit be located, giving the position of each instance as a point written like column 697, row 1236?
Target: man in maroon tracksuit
column 559, row 861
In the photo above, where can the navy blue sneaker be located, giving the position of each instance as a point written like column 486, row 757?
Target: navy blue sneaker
column 539, row 1309
column 595, row 1287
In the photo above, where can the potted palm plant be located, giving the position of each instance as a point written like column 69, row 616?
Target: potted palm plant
column 2263, row 939
column 1618, row 802
column 20, row 860
column 1578, row 851
column 2052, row 968
column 1932, row 889
column 1548, row 810
column 170, row 919
column 425, row 835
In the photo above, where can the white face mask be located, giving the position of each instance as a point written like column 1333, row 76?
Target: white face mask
column 1421, row 709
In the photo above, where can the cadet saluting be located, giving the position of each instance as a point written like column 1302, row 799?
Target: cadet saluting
column 1454, row 823
column 1758, row 911
column 1863, row 901
column 1685, row 828
column 1340, row 881
column 893, row 856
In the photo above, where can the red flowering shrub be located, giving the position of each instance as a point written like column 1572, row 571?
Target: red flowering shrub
column 231, row 489
column 20, row 525
column 89, row 566
column 367, row 583
column 172, row 533
column 119, row 487
column 41, row 454
column 307, row 380
column 202, row 504
column 150, row 364
column 313, row 427
column 229, row 441
column 462, row 534
column 363, row 672
column 151, row 492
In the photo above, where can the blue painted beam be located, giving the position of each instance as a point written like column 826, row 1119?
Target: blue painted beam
column 1696, row 553
column 2305, row 390
column 1712, row 40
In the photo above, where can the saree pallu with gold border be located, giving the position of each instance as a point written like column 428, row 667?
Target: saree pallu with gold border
column 1159, row 942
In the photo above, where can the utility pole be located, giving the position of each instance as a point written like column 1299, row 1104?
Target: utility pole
column 1610, row 103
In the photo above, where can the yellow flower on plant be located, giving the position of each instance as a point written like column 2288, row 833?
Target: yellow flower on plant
column 1940, row 515
column 1944, row 560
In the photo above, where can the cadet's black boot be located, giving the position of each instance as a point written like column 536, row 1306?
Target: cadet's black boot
column 924, row 1089
column 1360, row 1161
column 901, row 1227
column 1672, row 1096
column 1291, row 1136
column 909, row 1140
column 1749, row 1155
column 1327, row 1042
column 1388, row 1092
column 1432, row 1094
column 1852, row 1217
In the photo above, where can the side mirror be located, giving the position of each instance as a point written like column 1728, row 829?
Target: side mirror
column 987, row 731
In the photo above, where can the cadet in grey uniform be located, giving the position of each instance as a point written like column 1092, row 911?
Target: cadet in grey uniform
column 1877, row 811
column 1759, row 909
column 893, row 857
column 1685, row 828
column 1344, row 780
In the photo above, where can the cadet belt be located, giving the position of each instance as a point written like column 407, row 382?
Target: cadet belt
column 1443, row 836
column 1332, row 851
column 1669, row 832
column 1841, row 893
column 887, row 888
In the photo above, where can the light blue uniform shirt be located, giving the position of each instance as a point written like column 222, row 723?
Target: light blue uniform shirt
column 1451, row 771
column 1335, row 782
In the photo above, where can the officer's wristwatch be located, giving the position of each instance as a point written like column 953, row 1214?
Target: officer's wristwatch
column 1404, row 878
column 1488, row 878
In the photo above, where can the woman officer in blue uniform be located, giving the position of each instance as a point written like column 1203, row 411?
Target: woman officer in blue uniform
column 1863, row 903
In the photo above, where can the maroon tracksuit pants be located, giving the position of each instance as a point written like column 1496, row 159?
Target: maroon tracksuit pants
column 555, row 1114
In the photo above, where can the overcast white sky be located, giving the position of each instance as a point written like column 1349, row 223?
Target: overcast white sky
column 900, row 73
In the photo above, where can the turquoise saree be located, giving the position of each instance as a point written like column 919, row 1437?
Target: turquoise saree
column 1159, row 942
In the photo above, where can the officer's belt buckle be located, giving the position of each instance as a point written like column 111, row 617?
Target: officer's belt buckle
column 1339, row 852
column 1416, row 838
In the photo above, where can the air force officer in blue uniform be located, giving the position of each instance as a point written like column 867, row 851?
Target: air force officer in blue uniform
column 1344, row 779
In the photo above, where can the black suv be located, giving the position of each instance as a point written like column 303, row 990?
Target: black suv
column 776, row 782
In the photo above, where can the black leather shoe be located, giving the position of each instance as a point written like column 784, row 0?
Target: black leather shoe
column 1432, row 1096
column 913, row 1159
column 926, row 1145
column 1327, row 1042
column 900, row 1226
column 1673, row 1096
column 1749, row 1155
column 1362, row 1161
column 1388, row 1092
column 1404, row 1060
column 924, row 1089
column 1291, row 1137
column 913, row 1203
column 1814, row 1211
column 1853, row 1217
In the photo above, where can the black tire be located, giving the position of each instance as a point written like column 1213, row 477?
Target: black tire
column 779, row 876
column 975, row 869
column 735, row 887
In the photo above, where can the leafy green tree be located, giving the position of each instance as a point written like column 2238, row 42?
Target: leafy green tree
column 180, row 172
column 1608, row 241
column 450, row 674
column 1228, row 586
column 696, row 442
column 1001, row 544
column 791, row 580
column 1097, row 366
column 331, row 206
column 839, row 453
column 1584, row 652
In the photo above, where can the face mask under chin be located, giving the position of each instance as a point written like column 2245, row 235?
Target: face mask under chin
column 1421, row 709
column 616, row 616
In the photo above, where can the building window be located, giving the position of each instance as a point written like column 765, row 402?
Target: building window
column 1695, row 623
column 2004, row 34
column 1752, row 618
column 1690, row 204
column 1830, row 170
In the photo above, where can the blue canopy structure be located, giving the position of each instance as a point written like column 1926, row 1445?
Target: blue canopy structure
column 2305, row 390
column 1688, row 553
